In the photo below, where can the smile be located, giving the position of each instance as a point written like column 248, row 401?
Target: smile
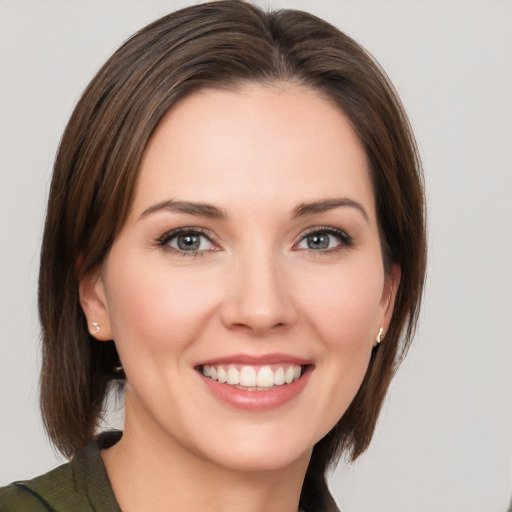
column 239, row 379
column 253, row 378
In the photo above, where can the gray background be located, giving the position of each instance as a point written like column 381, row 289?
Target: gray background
column 444, row 441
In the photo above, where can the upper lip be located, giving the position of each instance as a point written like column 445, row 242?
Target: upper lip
column 257, row 360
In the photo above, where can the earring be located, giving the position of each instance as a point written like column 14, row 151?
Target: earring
column 97, row 327
column 118, row 373
column 379, row 336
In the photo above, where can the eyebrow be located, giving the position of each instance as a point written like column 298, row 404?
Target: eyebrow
column 191, row 208
column 313, row 207
column 212, row 212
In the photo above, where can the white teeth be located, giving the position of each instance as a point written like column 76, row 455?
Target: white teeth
column 233, row 376
column 255, row 378
column 279, row 377
column 248, row 377
column 265, row 378
column 222, row 375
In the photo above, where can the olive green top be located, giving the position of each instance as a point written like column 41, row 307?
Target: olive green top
column 82, row 485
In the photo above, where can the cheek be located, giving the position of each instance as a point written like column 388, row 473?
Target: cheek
column 343, row 309
column 344, row 306
column 344, row 343
column 157, row 309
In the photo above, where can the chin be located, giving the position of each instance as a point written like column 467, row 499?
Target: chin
column 263, row 462
column 257, row 454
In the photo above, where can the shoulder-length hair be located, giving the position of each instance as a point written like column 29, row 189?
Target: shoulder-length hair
column 215, row 45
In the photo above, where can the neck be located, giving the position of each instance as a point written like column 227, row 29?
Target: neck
column 150, row 471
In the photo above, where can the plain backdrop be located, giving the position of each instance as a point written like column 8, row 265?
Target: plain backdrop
column 444, row 440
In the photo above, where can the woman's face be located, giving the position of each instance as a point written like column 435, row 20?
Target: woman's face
column 250, row 256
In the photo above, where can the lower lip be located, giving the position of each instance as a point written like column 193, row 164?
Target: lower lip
column 257, row 400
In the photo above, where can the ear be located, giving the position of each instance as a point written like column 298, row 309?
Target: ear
column 387, row 301
column 94, row 305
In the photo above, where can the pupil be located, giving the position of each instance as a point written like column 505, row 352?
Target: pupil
column 318, row 241
column 188, row 242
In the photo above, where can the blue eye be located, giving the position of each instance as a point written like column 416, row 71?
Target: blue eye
column 324, row 239
column 187, row 241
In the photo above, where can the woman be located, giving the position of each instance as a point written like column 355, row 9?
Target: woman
column 235, row 230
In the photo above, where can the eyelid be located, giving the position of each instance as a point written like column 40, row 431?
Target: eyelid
column 163, row 240
column 345, row 239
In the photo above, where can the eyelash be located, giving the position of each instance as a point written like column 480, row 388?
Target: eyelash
column 344, row 238
column 163, row 242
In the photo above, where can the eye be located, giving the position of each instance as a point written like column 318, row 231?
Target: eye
column 192, row 241
column 324, row 239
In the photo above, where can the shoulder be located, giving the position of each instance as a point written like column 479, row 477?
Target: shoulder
column 81, row 485
column 53, row 491
column 15, row 498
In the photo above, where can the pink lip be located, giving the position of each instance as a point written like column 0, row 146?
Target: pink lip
column 257, row 360
column 257, row 401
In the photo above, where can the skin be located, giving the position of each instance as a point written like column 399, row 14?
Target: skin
column 255, row 287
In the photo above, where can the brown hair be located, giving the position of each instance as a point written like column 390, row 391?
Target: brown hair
column 214, row 45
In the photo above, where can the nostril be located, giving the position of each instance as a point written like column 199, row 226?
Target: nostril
column 257, row 300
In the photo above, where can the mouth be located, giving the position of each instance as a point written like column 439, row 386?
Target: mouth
column 248, row 377
column 256, row 383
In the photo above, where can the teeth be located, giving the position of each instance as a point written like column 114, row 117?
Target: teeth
column 288, row 375
column 233, row 376
column 265, row 377
column 279, row 377
column 222, row 375
column 256, row 378
column 248, row 377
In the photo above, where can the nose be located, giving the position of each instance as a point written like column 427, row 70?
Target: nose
column 258, row 297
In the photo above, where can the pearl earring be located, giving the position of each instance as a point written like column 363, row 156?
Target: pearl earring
column 97, row 327
column 379, row 336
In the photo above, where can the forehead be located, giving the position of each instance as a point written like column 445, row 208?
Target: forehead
column 284, row 144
